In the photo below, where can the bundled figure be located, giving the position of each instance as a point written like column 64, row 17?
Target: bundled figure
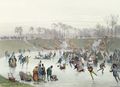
column 54, row 78
column 62, row 67
column 79, row 68
column 11, row 77
column 12, row 62
column 35, row 74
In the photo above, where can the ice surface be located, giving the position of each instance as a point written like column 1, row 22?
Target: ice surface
column 67, row 78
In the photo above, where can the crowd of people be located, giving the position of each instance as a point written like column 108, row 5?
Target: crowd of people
column 87, row 58
column 40, row 73
column 76, row 59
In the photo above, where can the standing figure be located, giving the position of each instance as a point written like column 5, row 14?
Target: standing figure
column 35, row 74
column 40, row 73
column 43, row 72
column 27, row 60
column 49, row 73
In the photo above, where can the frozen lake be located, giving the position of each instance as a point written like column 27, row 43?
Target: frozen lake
column 67, row 78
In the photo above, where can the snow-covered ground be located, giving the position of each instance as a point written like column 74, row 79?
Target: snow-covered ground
column 67, row 78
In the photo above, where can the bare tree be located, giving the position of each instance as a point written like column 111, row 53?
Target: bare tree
column 100, row 30
column 19, row 30
column 31, row 30
column 111, row 24
column 39, row 30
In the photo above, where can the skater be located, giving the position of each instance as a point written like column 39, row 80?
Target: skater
column 90, row 62
column 40, row 63
column 102, row 66
column 27, row 60
column 7, row 55
column 114, row 69
column 95, row 62
column 90, row 69
column 60, row 60
column 49, row 73
column 20, row 58
column 54, row 54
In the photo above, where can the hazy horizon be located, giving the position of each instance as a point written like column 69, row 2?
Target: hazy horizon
column 78, row 13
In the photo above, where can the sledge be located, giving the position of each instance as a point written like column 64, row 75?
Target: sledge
column 11, row 77
column 25, row 76
column 54, row 78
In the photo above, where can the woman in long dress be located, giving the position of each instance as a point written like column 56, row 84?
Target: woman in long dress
column 35, row 74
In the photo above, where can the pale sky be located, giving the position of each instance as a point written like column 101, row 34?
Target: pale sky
column 79, row 13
